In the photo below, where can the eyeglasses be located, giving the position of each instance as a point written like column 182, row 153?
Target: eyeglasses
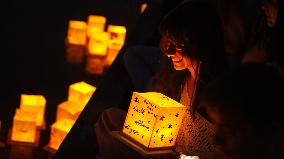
column 170, row 47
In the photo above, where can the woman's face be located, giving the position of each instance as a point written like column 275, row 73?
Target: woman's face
column 175, row 51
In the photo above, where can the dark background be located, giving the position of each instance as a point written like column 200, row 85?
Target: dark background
column 32, row 50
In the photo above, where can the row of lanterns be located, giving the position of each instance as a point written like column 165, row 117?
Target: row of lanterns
column 91, row 39
column 29, row 120
column 153, row 119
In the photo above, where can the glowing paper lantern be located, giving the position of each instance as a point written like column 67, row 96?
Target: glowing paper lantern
column 113, row 50
column 59, row 130
column 68, row 110
column 34, row 103
column 98, row 44
column 24, row 126
column 77, row 32
column 96, row 24
column 80, row 92
column 117, row 33
column 153, row 120
column 75, row 53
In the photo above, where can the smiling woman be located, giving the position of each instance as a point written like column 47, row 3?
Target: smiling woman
column 192, row 40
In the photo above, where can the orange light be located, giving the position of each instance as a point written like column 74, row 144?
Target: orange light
column 117, row 33
column 59, row 130
column 153, row 119
column 68, row 110
column 113, row 50
column 77, row 32
column 24, row 126
column 95, row 65
column 80, row 92
column 96, row 24
column 98, row 44
column 34, row 103
column 143, row 7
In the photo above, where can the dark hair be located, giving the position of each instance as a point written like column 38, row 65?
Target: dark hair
column 195, row 24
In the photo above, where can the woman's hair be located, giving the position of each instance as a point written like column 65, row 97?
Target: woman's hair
column 196, row 25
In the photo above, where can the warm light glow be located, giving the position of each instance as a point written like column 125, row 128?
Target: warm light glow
column 95, row 65
column 113, row 50
column 77, row 32
column 98, row 44
column 117, row 33
column 34, row 103
column 24, row 126
column 68, row 110
column 153, row 119
column 59, row 130
column 80, row 92
column 143, row 7
column 96, row 24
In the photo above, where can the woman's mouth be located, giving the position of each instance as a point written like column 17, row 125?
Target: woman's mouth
column 177, row 60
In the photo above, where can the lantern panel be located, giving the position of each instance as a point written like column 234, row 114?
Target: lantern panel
column 117, row 33
column 59, row 130
column 34, row 103
column 24, row 126
column 80, row 92
column 68, row 110
column 98, row 44
column 77, row 32
column 96, row 24
column 113, row 50
column 153, row 119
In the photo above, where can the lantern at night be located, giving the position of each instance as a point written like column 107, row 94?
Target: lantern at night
column 117, row 33
column 80, row 92
column 96, row 24
column 98, row 44
column 59, row 130
column 77, row 32
column 153, row 120
column 68, row 110
column 24, row 126
column 34, row 103
column 112, row 52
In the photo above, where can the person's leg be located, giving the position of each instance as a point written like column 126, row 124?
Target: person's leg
column 142, row 63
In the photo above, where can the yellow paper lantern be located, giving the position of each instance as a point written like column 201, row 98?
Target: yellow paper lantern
column 117, row 33
column 98, row 44
column 24, row 126
column 81, row 92
column 113, row 50
column 96, row 24
column 68, row 110
column 59, row 130
column 34, row 103
column 77, row 32
column 153, row 120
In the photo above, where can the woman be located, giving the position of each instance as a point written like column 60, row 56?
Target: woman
column 192, row 38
